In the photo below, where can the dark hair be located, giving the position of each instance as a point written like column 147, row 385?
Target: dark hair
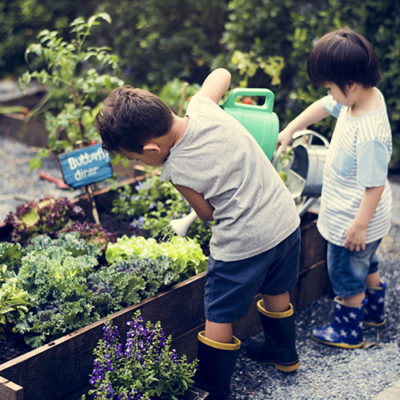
column 343, row 57
column 130, row 117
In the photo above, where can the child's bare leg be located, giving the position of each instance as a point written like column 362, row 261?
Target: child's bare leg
column 373, row 280
column 353, row 301
column 277, row 303
column 221, row 333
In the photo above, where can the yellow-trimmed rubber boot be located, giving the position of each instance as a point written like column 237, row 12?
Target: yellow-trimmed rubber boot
column 346, row 328
column 216, row 364
column 279, row 347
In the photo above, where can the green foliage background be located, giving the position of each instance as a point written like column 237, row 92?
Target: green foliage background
column 159, row 41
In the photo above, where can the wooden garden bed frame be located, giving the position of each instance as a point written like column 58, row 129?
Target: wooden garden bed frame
column 59, row 370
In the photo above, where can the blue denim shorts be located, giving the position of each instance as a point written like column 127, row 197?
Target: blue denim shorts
column 348, row 269
column 232, row 285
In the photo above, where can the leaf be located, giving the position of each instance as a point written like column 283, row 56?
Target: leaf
column 35, row 163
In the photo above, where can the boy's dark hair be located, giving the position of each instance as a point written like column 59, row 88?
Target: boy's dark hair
column 130, row 117
column 343, row 57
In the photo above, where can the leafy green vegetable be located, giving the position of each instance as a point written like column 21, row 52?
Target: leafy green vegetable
column 11, row 254
column 130, row 282
column 45, row 216
column 187, row 256
column 13, row 300
column 154, row 205
column 54, row 273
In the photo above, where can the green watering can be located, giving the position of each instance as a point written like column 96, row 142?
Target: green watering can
column 259, row 120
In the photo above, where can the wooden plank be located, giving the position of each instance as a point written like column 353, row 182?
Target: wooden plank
column 16, row 127
column 10, row 390
column 313, row 245
column 311, row 285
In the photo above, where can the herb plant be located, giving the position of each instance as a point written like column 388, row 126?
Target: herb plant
column 144, row 366
column 78, row 77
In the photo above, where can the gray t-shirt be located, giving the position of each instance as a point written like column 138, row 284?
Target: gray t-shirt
column 218, row 158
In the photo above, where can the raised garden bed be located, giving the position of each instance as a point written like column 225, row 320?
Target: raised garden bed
column 60, row 369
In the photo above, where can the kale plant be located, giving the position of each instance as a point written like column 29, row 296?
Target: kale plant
column 92, row 233
column 129, row 282
column 11, row 254
column 54, row 273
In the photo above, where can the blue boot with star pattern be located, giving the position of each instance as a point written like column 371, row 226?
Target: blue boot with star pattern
column 374, row 311
column 346, row 328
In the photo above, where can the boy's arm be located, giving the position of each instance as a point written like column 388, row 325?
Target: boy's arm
column 202, row 207
column 313, row 113
column 356, row 234
column 216, row 84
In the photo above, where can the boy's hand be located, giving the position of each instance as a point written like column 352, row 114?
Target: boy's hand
column 284, row 140
column 355, row 238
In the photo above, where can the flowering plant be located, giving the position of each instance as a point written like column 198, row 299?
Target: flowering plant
column 145, row 367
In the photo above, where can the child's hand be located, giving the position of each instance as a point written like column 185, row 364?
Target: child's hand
column 284, row 140
column 355, row 237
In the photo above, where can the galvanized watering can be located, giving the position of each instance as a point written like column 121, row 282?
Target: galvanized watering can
column 259, row 120
column 309, row 160
column 303, row 169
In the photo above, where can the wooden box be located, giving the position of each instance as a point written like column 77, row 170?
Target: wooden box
column 59, row 370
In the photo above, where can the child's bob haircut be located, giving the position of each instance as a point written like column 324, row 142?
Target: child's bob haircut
column 343, row 57
column 130, row 117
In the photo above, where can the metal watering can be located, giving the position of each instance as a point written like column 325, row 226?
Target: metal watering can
column 303, row 170
column 259, row 120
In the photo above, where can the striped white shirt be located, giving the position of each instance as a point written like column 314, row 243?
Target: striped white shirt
column 358, row 158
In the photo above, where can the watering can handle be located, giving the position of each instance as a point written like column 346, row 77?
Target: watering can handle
column 267, row 106
column 311, row 134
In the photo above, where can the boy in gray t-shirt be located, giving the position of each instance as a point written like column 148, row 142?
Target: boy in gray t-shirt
column 224, row 174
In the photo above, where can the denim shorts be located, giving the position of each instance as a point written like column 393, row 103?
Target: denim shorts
column 348, row 269
column 232, row 285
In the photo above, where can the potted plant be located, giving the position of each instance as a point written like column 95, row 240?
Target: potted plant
column 78, row 77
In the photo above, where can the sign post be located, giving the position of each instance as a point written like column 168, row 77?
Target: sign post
column 85, row 166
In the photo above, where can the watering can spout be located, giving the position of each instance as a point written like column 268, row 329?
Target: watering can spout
column 180, row 226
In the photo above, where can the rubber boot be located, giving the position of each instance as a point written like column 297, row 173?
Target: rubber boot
column 374, row 310
column 216, row 364
column 279, row 347
column 346, row 328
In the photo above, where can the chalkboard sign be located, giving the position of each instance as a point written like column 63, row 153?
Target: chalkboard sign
column 85, row 166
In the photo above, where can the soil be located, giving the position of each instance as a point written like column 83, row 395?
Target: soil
column 12, row 346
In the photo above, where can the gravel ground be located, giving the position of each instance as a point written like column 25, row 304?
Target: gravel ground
column 18, row 184
column 325, row 372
